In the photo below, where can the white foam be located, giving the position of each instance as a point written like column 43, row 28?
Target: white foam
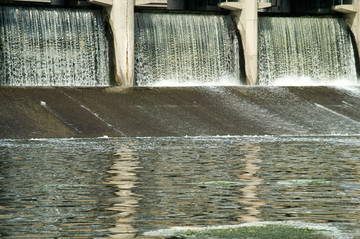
column 325, row 229
column 224, row 81
column 309, row 81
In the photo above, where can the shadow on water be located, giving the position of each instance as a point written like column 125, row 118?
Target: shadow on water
column 131, row 187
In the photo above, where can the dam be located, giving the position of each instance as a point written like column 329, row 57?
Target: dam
column 179, row 119
column 244, row 39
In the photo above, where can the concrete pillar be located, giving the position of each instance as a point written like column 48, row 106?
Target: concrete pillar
column 122, row 24
column 352, row 16
column 246, row 20
column 355, row 25
column 249, row 19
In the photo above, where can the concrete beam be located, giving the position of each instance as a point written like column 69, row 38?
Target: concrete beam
column 38, row 1
column 235, row 6
column 151, row 3
column 104, row 3
column 345, row 8
column 263, row 5
column 109, row 3
column 122, row 24
column 232, row 6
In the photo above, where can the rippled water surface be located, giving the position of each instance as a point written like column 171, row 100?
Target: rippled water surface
column 125, row 187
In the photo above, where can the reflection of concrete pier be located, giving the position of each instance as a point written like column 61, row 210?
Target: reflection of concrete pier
column 250, row 199
column 124, row 180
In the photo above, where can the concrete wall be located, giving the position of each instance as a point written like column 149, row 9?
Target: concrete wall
column 283, row 6
column 176, row 4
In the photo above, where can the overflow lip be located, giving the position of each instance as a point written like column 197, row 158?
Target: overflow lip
column 140, row 9
column 306, row 14
column 47, row 5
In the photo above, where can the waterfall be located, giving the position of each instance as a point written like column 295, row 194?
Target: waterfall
column 185, row 49
column 306, row 50
column 52, row 47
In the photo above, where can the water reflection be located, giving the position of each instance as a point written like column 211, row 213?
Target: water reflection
column 125, row 179
column 252, row 163
column 124, row 187
column 54, row 189
column 212, row 181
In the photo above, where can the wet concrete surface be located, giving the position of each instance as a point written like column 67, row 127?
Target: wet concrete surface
column 248, row 110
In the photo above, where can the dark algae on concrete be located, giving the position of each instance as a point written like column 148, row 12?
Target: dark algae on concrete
column 115, row 112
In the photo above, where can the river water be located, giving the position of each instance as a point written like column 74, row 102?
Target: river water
column 125, row 187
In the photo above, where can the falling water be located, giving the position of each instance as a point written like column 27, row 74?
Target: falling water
column 186, row 49
column 310, row 50
column 52, row 47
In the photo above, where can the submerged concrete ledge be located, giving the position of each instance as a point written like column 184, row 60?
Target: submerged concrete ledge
column 248, row 110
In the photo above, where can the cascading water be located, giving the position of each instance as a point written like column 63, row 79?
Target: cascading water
column 185, row 49
column 52, row 47
column 307, row 50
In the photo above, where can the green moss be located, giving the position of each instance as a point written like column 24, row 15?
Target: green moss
column 252, row 232
column 303, row 181
column 220, row 183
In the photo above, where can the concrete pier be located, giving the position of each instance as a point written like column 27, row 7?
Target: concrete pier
column 244, row 12
column 352, row 15
column 122, row 24
column 245, row 15
column 121, row 19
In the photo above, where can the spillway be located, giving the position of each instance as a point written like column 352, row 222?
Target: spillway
column 305, row 50
column 186, row 49
column 166, row 111
column 52, row 47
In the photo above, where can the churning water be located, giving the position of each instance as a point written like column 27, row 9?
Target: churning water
column 305, row 51
column 52, row 47
column 128, row 187
column 185, row 49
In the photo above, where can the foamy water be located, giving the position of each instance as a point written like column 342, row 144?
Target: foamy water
column 293, row 80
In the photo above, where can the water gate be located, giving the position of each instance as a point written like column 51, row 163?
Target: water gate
column 186, row 49
column 52, row 47
column 68, row 47
column 305, row 50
